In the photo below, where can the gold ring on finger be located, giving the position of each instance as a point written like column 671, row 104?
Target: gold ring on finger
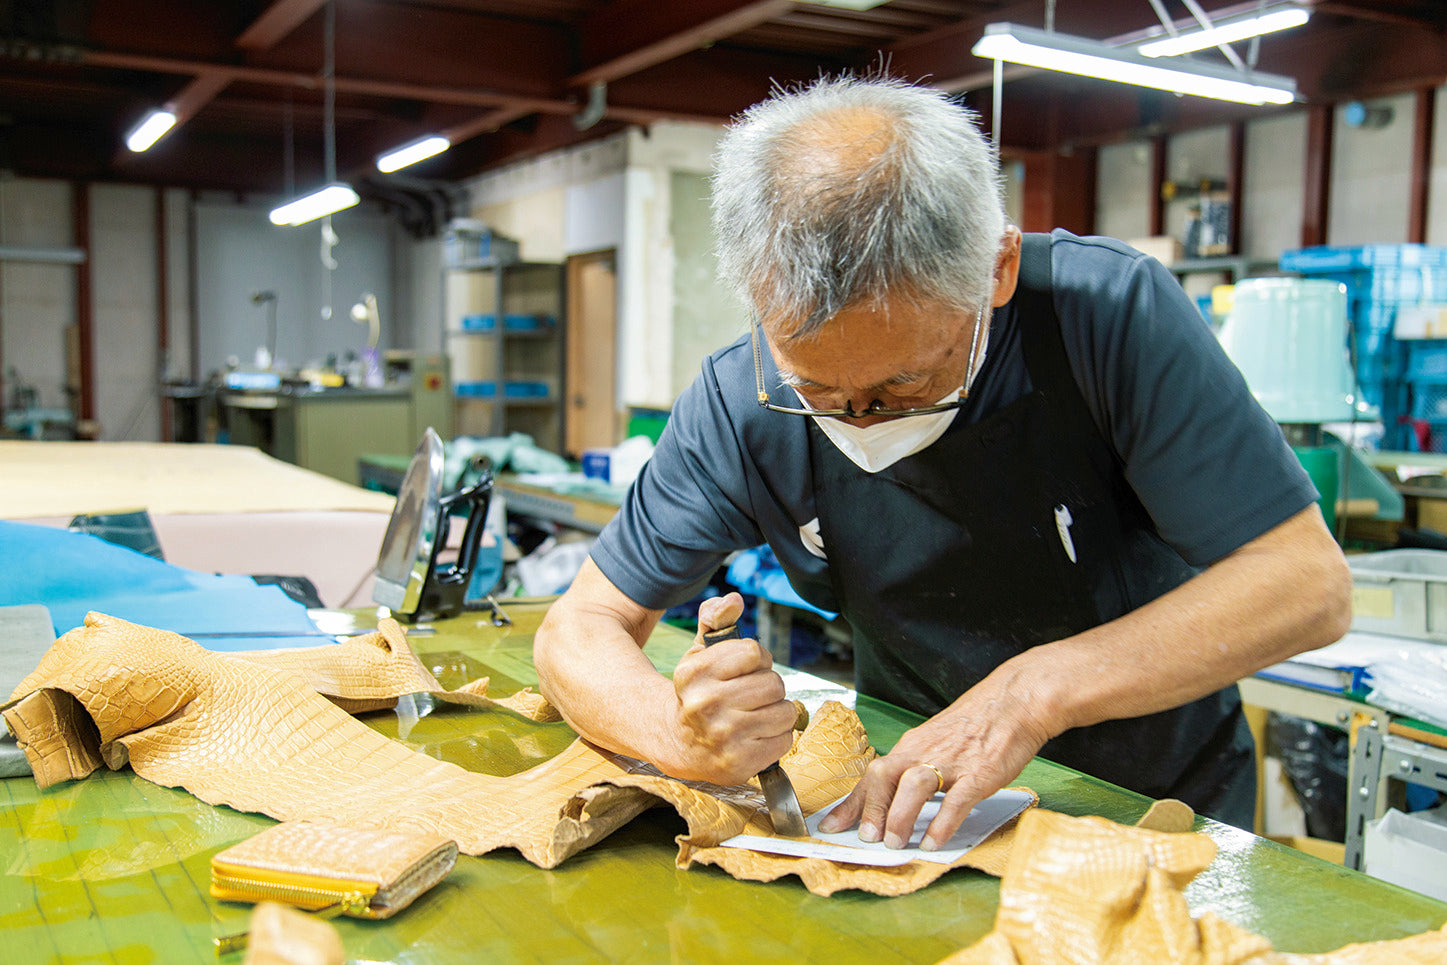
column 939, row 775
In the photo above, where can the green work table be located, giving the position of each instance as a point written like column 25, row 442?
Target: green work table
column 115, row 869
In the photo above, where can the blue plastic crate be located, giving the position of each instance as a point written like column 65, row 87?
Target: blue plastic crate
column 1326, row 258
column 1426, row 359
column 1429, row 400
column 525, row 389
column 475, row 390
column 512, row 322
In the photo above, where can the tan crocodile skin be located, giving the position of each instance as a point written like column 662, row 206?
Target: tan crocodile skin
column 1086, row 891
column 370, row 672
column 253, row 733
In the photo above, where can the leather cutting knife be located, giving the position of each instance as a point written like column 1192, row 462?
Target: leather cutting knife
column 784, row 811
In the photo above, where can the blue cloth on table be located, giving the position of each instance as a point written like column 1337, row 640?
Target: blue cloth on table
column 757, row 571
column 72, row 573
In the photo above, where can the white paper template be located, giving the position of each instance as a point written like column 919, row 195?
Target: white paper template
column 845, row 846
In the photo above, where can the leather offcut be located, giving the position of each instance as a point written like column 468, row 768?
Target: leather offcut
column 1087, row 890
column 280, row 935
column 252, row 731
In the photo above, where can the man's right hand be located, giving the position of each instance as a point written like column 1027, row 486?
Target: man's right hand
column 733, row 717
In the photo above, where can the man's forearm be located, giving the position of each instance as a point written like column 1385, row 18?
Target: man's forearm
column 1283, row 593
column 591, row 667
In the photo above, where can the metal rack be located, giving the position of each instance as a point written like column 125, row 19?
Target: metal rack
column 1377, row 759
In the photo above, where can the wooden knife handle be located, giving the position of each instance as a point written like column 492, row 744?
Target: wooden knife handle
column 730, row 632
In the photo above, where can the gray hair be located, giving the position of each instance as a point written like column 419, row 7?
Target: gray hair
column 852, row 189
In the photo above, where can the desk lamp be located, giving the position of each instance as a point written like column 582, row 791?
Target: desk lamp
column 267, row 298
column 1288, row 336
column 365, row 313
column 410, row 579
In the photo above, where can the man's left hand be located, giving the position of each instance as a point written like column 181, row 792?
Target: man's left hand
column 969, row 750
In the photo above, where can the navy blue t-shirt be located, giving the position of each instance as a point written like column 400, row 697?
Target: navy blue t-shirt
column 1206, row 461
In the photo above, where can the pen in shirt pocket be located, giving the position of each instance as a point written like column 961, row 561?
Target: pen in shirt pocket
column 1063, row 521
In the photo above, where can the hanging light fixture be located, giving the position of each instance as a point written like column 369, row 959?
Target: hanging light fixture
column 318, row 204
column 335, row 196
column 150, row 129
column 1089, row 58
column 1228, row 30
column 410, row 153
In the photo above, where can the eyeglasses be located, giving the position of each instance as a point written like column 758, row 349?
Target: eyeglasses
column 875, row 409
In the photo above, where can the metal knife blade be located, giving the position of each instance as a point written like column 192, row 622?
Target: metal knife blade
column 784, row 811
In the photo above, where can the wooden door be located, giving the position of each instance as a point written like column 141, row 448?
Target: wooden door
column 592, row 418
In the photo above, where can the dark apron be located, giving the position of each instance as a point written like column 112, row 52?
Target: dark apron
column 952, row 560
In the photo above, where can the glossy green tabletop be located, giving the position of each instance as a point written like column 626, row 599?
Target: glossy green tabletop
column 115, row 869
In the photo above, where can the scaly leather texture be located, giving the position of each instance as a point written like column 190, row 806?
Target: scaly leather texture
column 390, row 867
column 284, row 936
column 251, row 731
column 1087, row 891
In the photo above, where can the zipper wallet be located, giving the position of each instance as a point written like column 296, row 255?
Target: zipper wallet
column 327, row 868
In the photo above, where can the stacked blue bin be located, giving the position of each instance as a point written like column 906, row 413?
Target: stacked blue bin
column 1406, row 379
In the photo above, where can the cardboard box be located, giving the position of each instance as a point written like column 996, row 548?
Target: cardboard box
column 1162, row 248
column 1408, row 850
column 1421, row 321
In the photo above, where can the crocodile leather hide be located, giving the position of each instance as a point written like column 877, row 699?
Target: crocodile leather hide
column 253, row 731
column 1086, row 890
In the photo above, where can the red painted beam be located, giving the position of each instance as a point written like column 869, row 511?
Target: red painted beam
column 276, row 22
column 627, row 36
column 1316, row 182
column 1422, row 118
column 1235, row 182
column 1158, row 183
column 474, row 97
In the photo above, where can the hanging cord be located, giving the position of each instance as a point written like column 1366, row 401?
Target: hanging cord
column 329, row 149
column 288, row 149
column 329, row 94
column 1205, row 22
column 1164, row 18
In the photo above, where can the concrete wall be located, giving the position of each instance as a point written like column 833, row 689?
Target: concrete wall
column 1275, row 164
column 667, row 329
column 1371, row 170
column 643, row 194
column 37, row 301
column 235, row 251
column 1123, row 189
column 239, row 253
column 1437, row 182
column 125, row 336
column 1369, row 189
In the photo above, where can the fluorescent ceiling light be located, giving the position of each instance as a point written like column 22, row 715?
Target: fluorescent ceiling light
column 1227, row 31
column 412, row 152
column 150, row 129
column 309, row 207
column 1090, row 58
column 849, row 4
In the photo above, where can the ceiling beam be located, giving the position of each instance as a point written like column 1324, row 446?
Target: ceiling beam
column 475, row 97
column 627, row 36
column 197, row 94
column 276, row 22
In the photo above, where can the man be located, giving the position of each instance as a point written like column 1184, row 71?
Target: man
column 1044, row 499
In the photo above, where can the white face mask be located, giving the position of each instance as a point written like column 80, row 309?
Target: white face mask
column 883, row 444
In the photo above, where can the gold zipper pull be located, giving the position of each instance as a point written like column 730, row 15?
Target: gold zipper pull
column 351, row 903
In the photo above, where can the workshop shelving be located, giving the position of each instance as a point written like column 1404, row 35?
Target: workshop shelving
column 523, row 355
